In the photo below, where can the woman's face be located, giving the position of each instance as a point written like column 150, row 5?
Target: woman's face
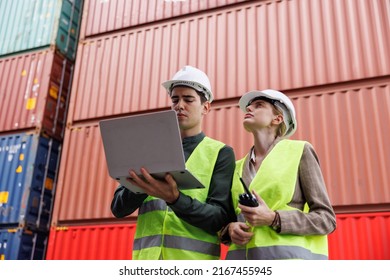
column 260, row 115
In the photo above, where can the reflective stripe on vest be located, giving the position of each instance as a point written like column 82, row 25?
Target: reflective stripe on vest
column 177, row 242
column 275, row 253
column 275, row 183
column 153, row 205
column 160, row 233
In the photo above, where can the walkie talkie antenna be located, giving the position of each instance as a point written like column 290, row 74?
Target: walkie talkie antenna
column 247, row 198
column 245, row 187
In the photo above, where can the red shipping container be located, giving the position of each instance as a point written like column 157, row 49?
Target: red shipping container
column 362, row 236
column 347, row 125
column 94, row 242
column 35, row 89
column 91, row 242
column 84, row 189
column 261, row 44
column 107, row 16
column 341, row 122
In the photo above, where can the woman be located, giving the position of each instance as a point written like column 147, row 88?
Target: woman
column 294, row 214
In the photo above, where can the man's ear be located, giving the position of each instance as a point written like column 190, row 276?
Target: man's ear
column 206, row 107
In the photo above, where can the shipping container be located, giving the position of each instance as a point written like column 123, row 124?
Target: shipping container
column 84, row 189
column 361, row 236
column 342, row 122
column 112, row 15
column 259, row 44
column 91, row 242
column 28, row 173
column 26, row 25
column 35, row 91
column 22, row 244
column 347, row 124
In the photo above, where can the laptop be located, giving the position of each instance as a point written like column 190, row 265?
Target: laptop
column 150, row 140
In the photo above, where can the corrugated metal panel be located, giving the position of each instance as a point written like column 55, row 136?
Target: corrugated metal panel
column 97, row 242
column 341, row 122
column 93, row 242
column 35, row 90
column 26, row 24
column 363, row 236
column 28, row 173
column 283, row 45
column 22, row 244
column 110, row 15
column 346, row 124
column 349, row 126
column 85, row 189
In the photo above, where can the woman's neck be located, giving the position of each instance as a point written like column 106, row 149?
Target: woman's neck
column 263, row 143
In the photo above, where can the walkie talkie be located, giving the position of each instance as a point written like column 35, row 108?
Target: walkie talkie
column 247, row 198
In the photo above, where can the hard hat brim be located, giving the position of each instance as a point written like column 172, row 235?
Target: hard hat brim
column 169, row 85
column 249, row 96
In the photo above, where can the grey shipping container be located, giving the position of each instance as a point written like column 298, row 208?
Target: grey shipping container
column 28, row 174
column 31, row 24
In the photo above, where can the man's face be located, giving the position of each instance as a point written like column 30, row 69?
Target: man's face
column 187, row 104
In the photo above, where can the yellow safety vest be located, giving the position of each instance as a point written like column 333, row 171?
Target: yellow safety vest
column 275, row 183
column 160, row 234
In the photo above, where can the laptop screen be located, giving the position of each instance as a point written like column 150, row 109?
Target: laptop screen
column 150, row 140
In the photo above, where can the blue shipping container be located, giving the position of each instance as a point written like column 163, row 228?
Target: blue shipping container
column 21, row 244
column 32, row 24
column 28, row 172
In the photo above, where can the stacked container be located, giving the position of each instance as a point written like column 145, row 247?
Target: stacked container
column 329, row 56
column 37, row 53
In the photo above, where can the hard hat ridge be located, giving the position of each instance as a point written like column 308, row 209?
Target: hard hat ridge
column 191, row 77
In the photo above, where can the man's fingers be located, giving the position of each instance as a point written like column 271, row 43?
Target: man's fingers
column 147, row 176
column 170, row 180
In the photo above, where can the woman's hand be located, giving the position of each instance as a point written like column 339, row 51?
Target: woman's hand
column 261, row 215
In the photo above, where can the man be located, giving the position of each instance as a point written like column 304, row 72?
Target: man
column 183, row 224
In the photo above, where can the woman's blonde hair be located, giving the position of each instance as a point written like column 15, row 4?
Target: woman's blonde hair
column 281, row 130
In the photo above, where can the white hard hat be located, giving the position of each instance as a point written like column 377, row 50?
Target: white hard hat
column 283, row 103
column 191, row 77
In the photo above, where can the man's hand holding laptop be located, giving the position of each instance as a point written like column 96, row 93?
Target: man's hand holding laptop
column 164, row 189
